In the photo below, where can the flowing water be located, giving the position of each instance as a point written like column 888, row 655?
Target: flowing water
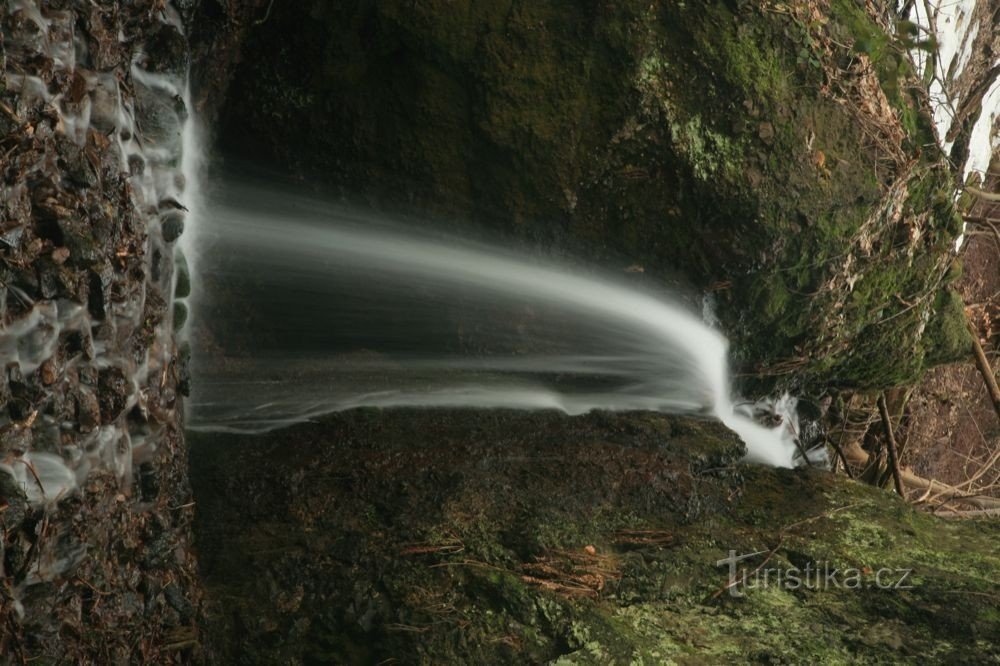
column 152, row 135
column 335, row 310
column 70, row 102
column 348, row 311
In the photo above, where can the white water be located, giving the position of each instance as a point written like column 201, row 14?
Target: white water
column 628, row 349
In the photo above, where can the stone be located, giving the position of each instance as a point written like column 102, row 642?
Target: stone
column 88, row 409
column 180, row 315
column 172, row 225
column 182, row 286
column 113, row 392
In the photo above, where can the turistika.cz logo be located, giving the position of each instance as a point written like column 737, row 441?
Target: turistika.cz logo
column 813, row 576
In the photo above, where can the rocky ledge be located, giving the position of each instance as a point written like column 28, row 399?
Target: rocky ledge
column 439, row 537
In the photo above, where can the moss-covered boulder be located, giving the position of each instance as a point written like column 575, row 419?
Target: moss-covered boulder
column 779, row 155
column 468, row 537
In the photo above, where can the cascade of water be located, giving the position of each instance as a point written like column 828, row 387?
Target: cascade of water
column 604, row 345
column 139, row 110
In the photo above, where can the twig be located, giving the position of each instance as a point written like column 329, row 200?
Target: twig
column 858, row 455
column 891, row 445
column 267, row 14
column 840, row 454
column 734, row 580
column 982, row 194
column 985, row 369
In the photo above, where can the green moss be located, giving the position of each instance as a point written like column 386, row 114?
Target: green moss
column 947, row 335
column 712, row 155
column 443, row 573
column 892, row 66
column 700, row 139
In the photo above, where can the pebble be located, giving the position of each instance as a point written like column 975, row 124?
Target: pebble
column 172, row 225
column 112, row 387
column 50, row 372
column 60, row 255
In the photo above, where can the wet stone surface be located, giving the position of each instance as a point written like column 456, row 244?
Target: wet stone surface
column 95, row 561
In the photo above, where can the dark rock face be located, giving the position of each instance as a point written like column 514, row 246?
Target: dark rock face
column 96, row 565
column 784, row 164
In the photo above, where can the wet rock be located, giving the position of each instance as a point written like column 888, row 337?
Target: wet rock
column 60, row 255
column 13, row 374
column 169, row 203
column 184, row 369
column 156, row 115
column 88, row 375
column 99, row 283
column 49, row 281
column 158, row 551
column 149, row 482
column 76, row 169
column 105, row 155
column 102, row 33
column 104, row 106
column 15, row 202
column 180, row 315
column 14, row 503
column 25, row 400
column 172, row 225
column 71, row 237
column 113, row 391
column 132, row 604
column 76, row 234
column 136, row 165
column 182, row 288
column 175, row 597
column 79, row 342
column 167, row 51
column 49, row 372
column 11, row 238
column 156, row 265
column 4, row 392
column 88, row 409
column 15, row 437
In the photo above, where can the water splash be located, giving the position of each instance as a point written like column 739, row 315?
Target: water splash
column 326, row 277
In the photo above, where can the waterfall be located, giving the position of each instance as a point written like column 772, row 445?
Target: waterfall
column 117, row 346
column 329, row 278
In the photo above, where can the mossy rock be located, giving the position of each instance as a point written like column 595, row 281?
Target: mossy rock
column 948, row 337
column 701, row 138
column 501, row 537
